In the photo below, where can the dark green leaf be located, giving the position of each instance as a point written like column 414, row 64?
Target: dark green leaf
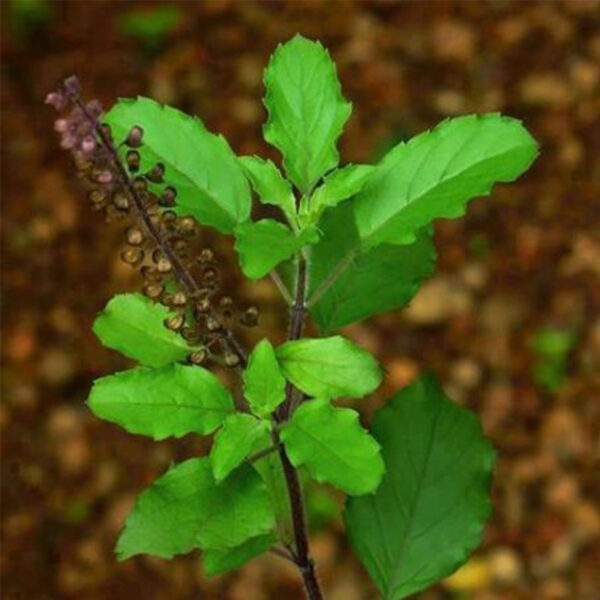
column 428, row 513
column 200, row 165
column 333, row 446
column 134, row 325
column 329, row 367
column 436, row 173
column 262, row 245
column 216, row 562
column 307, row 111
column 364, row 284
column 167, row 402
column 264, row 385
column 186, row 509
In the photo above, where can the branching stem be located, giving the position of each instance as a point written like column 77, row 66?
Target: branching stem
column 302, row 555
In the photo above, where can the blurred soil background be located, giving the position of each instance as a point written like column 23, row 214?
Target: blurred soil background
column 510, row 322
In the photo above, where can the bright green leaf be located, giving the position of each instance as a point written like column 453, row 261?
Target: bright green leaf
column 307, row 111
column 264, row 385
column 133, row 325
column 186, row 509
column 428, row 513
column 338, row 186
column 217, row 562
column 167, row 402
column 329, row 367
column 234, row 441
column 437, row 172
column 262, row 245
column 200, row 165
column 333, row 446
column 367, row 283
column 270, row 185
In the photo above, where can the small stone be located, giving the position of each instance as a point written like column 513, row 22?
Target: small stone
column 506, row 566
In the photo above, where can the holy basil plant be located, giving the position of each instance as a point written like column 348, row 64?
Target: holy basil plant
column 342, row 243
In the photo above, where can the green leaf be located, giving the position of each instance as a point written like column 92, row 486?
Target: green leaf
column 271, row 471
column 437, row 172
column 234, row 441
column 217, row 562
column 167, row 402
column 307, row 111
column 329, row 367
column 364, row 284
column 264, row 385
column 338, row 186
column 262, row 245
column 186, row 509
column 270, row 185
column 428, row 513
column 200, row 165
column 133, row 325
column 333, row 446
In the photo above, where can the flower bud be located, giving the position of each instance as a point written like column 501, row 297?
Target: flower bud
column 168, row 197
column 175, row 322
column 134, row 137
column 121, row 201
column 153, row 291
column 231, row 359
column 179, row 299
column 206, row 256
column 133, row 161
column 187, row 226
column 250, row 317
column 72, row 85
column 156, row 173
column 163, row 265
column 132, row 256
column 212, row 323
column 199, row 357
column 134, row 236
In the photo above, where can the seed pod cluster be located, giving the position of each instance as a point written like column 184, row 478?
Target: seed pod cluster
column 157, row 241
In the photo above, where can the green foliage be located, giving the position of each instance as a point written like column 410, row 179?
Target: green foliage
column 428, row 513
column 368, row 282
column 437, row 172
column 264, row 385
column 150, row 27
column 210, row 183
column 333, row 446
column 217, row 562
column 420, row 482
column 552, row 347
column 234, row 442
column 337, row 186
column 270, row 185
column 167, row 402
column 262, row 245
column 186, row 509
column 307, row 111
column 329, row 367
column 134, row 325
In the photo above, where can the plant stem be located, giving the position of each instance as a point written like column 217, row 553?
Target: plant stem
column 302, row 552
